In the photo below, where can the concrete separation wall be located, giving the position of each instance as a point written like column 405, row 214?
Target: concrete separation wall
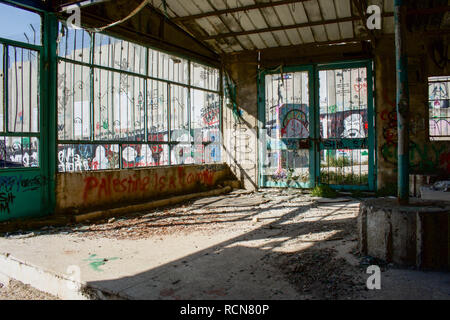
column 87, row 191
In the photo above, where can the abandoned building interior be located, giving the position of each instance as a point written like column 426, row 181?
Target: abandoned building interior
column 108, row 105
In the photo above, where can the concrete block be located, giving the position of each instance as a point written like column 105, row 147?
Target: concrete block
column 413, row 235
column 404, row 237
column 378, row 233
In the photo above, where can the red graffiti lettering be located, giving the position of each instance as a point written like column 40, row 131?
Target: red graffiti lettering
column 162, row 183
column 89, row 184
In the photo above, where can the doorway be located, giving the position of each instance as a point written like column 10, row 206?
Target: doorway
column 317, row 127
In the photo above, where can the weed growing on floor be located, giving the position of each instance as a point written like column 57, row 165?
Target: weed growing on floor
column 324, row 191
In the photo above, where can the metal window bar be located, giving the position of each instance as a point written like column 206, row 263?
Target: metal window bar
column 168, row 79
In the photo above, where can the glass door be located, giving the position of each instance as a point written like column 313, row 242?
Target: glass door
column 346, row 126
column 317, row 127
column 287, row 116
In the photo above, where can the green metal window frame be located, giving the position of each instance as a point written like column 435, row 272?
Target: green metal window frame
column 146, row 77
column 432, row 117
column 7, row 43
column 315, row 146
column 47, row 101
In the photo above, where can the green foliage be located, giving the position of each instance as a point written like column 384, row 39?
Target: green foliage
column 344, row 179
column 337, row 162
column 324, row 191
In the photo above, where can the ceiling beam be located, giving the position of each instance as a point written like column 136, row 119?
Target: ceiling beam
column 318, row 23
column 285, row 2
column 238, row 9
column 306, row 50
column 270, row 29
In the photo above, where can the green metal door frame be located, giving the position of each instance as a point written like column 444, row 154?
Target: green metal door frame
column 262, row 123
column 368, row 64
column 48, row 109
column 45, row 172
column 314, row 125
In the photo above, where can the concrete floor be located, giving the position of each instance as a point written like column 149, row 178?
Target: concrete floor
column 275, row 244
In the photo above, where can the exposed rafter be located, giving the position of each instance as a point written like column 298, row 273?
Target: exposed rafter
column 270, row 29
column 238, row 9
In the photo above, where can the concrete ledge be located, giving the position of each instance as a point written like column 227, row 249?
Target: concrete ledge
column 149, row 205
column 40, row 279
column 414, row 235
column 65, row 287
column 60, row 220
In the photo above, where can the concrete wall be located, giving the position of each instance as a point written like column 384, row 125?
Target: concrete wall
column 80, row 192
column 240, row 134
column 426, row 156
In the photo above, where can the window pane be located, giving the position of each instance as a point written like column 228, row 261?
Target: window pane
column 182, row 153
column 167, row 67
column 2, row 86
column 143, row 155
column 157, row 110
column 23, row 98
column 74, row 44
column 343, row 103
column 87, row 157
column 179, row 121
column 344, row 166
column 119, row 54
column 439, row 106
column 73, row 102
column 205, row 114
column 119, row 106
column 17, row 152
column 20, row 25
column 204, row 76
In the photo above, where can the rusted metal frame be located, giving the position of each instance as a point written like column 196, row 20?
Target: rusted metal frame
column 225, row 24
column 266, row 22
column 238, row 9
column 240, row 26
column 276, row 50
column 339, row 27
column 196, row 34
column 322, row 18
column 270, row 29
column 281, row 23
column 124, row 31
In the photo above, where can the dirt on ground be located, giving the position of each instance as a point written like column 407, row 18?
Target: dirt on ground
column 311, row 242
column 16, row 290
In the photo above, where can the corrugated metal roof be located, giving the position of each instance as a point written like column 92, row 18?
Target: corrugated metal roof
column 237, row 25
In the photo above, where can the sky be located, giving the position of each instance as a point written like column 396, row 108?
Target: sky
column 15, row 22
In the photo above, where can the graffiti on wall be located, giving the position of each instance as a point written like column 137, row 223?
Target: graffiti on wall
column 11, row 186
column 349, row 124
column 106, row 187
column 422, row 156
column 73, row 158
column 210, row 114
column 18, row 152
